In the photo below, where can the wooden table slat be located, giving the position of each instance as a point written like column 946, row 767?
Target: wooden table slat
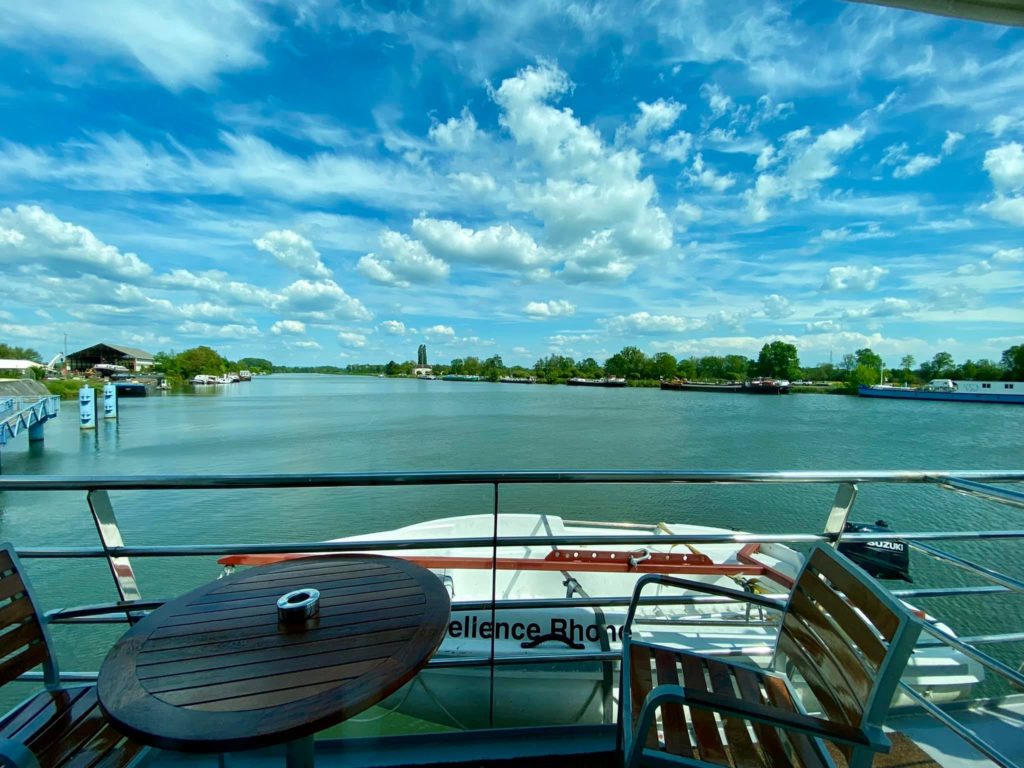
column 282, row 664
column 351, row 608
column 296, row 582
column 148, row 672
column 328, row 597
column 364, row 632
column 259, row 598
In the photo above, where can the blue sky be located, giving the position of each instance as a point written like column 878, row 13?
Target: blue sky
column 326, row 185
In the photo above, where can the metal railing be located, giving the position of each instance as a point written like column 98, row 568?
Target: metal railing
column 130, row 606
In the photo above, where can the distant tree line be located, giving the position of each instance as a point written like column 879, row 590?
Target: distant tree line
column 182, row 366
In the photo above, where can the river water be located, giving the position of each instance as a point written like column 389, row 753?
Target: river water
column 309, row 424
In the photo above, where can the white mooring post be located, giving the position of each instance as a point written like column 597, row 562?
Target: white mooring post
column 87, row 408
column 109, row 401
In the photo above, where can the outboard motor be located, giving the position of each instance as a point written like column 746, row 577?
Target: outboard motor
column 883, row 559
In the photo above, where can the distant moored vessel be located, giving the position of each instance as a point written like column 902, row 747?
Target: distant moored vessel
column 948, row 389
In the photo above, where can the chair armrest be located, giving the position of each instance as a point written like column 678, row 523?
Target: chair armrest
column 14, row 754
column 780, row 718
column 696, row 586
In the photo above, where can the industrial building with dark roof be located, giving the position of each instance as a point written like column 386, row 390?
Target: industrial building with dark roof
column 132, row 358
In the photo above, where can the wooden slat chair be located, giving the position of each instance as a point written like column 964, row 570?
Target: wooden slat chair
column 58, row 726
column 842, row 633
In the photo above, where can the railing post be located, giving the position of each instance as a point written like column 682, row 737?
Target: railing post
column 110, row 536
column 494, row 600
column 846, row 494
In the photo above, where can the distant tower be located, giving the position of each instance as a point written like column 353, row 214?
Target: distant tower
column 421, row 355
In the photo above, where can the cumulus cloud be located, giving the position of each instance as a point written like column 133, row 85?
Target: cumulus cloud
column 402, row 262
column 653, row 119
column 457, row 133
column 952, row 139
column 324, row 298
column 777, row 307
column 1009, row 256
column 293, row 251
column 845, row 234
column 474, row 183
column 282, row 327
column 554, row 308
column 29, row 234
column 676, row 147
column 643, row 323
column 1006, row 208
column 706, row 177
column 851, row 278
column 439, row 332
column 352, row 339
column 1005, row 166
column 888, row 307
column 211, row 332
column 393, row 327
column 803, row 165
column 501, row 246
column 718, row 101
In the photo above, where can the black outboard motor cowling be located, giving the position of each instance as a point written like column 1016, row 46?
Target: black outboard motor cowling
column 883, row 559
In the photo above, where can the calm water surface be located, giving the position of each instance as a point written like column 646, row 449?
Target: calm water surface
column 309, row 424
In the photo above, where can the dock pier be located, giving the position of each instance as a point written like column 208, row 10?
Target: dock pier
column 26, row 414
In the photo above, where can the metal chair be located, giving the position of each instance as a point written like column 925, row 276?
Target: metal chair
column 58, row 726
column 840, row 632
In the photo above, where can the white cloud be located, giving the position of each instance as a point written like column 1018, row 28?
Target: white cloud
column 853, row 278
column 217, row 284
column 706, row 177
column 1005, row 165
column 209, row 331
column 302, row 344
column 439, row 332
column 888, row 307
column 952, row 139
column 402, row 262
column 597, row 258
column 1009, row 256
column 474, row 183
column 282, row 327
column 1000, row 123
column 293, row 251
column 676, row 147
column 393, row 327
column 502, row 246
column 33, row 235
column 718, row 101
column 642, row 323
column 915, row 166
column 457, row 133
column 554, row 308
column 687, row 213
column 844, row 234
column 653, row 119
column 1008, row 209
column 777, row 307
column 807, row 165
column 352, row 339
column 323, row 297
column 180, row 44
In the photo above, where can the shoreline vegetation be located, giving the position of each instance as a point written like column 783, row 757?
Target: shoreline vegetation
column 777, row 359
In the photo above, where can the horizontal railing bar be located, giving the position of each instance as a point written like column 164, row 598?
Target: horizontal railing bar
column 994, row 576
column 331, row 480
column 926, row 592
column 984, row 491
column 994, row 664
column 959, row 728
column 319, row 547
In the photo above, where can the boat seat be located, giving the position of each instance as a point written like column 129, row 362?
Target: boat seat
column 841, row 634
column 58, row 726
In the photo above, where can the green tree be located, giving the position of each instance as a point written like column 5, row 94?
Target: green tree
column 589, row 368
column 941, row 366
column 687, row 369
column 862, row 374
column 198, row 360
column 907, row 363
column 1013, row 362
column 19, row 353
column 869, row 358
column 663, row 366
column 629, row 363
column 255, row 364
column 778, row 359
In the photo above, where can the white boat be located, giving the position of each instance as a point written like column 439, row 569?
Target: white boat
column 245, row 375
column 203, row 379
column 586, row 691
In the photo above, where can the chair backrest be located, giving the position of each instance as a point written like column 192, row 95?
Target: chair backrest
column 24, row 640
column 847, row 638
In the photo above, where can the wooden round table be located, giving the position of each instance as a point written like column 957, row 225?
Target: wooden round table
column 214, row 670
